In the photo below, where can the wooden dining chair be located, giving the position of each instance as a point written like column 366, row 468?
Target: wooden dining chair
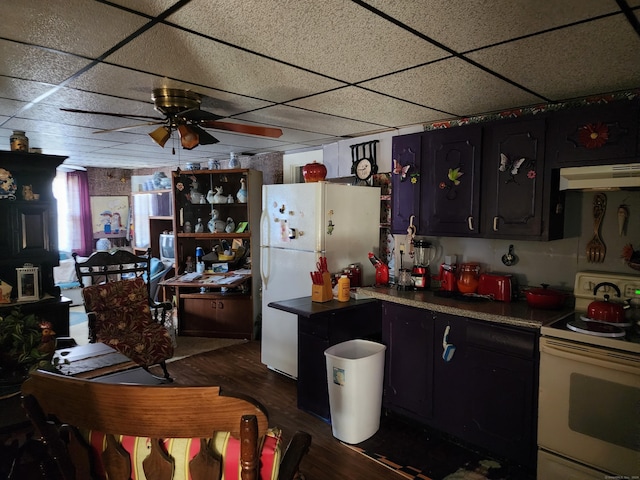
column 156, row 432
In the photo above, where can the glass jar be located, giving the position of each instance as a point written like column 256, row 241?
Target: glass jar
column 19, row 141
column 355, row 275
column 468, row 277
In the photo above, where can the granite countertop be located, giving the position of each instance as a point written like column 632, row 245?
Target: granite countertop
column 517, row 313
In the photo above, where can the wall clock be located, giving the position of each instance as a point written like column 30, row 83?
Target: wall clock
column 363, row 162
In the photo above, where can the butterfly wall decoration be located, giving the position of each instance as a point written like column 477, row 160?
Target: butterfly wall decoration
column 404, row 171
column 513, row 166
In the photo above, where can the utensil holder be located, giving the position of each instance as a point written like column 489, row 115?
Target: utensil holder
column 322, row 293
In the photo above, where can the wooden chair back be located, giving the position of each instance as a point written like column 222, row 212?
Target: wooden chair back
column 157, row 412
column 110, row 266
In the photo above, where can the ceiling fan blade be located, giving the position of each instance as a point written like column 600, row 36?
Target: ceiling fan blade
column 205, row 137
column 118, row 115
column 129, row 127
column 242, row 128
column 197, row 115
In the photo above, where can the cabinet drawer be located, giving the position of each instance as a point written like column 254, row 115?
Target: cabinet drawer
column 502, row 339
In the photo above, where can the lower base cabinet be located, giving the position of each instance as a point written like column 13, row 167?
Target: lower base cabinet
column 215, row 315
column 485, row 394
column 408, row 334
column 319, row 331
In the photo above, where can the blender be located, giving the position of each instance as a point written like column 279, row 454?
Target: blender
column 421, row 275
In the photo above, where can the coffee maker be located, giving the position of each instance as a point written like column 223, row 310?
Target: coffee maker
column 420, row 274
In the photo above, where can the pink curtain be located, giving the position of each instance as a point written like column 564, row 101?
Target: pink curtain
column 79, row 216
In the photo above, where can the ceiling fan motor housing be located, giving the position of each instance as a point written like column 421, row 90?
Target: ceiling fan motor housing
column 171, row 101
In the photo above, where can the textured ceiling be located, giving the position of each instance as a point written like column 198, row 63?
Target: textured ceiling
column 319, row 70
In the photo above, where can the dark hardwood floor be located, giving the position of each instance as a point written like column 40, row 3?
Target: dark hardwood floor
column 238, row 368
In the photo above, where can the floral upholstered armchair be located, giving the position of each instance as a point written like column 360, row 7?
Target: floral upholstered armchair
column 120, row 311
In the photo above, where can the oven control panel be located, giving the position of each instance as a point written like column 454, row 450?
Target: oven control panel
column 585, row 282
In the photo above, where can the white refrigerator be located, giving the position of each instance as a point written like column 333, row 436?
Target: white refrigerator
column 300, row 223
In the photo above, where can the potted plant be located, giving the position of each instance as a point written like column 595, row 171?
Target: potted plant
column 26, row 343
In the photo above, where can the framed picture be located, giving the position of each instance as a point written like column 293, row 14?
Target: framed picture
column 109, row 216
column 28, row 283
column 242, row 226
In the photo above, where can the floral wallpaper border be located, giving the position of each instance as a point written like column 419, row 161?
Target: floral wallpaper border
column 535, row 109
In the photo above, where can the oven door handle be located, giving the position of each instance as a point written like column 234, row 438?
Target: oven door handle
column 601, row 357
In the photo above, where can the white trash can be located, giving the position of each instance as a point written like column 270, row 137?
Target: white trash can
column 355, row 371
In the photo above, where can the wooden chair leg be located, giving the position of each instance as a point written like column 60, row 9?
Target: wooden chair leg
column 163, row 364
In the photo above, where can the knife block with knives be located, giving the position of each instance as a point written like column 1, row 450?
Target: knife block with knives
column 322, row 292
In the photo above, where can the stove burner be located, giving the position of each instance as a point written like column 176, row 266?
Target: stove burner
column 615, row 324
column 599, row 329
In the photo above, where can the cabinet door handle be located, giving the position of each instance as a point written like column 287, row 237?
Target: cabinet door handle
column 448, row 349
column 470, row 222
column 495, row 224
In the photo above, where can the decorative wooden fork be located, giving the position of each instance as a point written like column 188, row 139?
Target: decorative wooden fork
column 596, row 249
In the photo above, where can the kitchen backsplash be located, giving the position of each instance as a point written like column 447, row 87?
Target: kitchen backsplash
column 555, row 262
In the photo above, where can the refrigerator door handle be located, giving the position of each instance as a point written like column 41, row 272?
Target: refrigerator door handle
column 264, row 254
column 264, row 231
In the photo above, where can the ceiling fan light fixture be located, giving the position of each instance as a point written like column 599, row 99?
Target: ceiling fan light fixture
column 161, row 135
column 189, row 138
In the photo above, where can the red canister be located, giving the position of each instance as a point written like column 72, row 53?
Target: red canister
column 468, row 277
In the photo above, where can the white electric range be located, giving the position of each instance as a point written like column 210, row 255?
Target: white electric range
column 588, row 424
column 585, row 283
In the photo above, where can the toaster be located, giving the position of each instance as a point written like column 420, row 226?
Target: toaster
column 501, row 287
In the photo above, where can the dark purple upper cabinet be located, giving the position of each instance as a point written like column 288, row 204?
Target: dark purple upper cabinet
column 596, row 135
column 513, row 171
column 405, row 181
column 451, row 182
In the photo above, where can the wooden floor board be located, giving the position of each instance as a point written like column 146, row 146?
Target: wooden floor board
column 238, row 368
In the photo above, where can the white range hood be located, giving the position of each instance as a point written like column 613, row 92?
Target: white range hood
column 600, row 177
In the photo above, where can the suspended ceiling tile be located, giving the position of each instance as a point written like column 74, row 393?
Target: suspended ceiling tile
column 127, row 83
column 285, row 116
column 34, row 63
column 23, row 90
column 148, row 7
column 75, row 26
column 473, row 91
column 9, row 107
column 596, row 57
column 464, row 25
column 360, row 104
column 332, row 37
column 194, row 59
